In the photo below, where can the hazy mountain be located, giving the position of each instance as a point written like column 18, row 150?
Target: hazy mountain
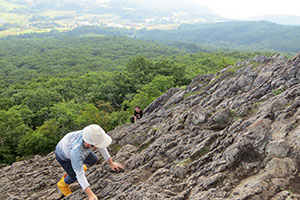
column 255, row 35
column 22, row 16
column 124, row 8
column 239, row 35
column 160, row 18
column 279, row 19
column 174, row 8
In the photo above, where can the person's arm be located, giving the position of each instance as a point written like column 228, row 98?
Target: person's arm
column 104, row 153
column 90, row 194
column 135, row 116
column 77, row 165
column 81, row 178
column 141, row 114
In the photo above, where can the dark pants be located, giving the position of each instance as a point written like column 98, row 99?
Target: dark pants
column 132, row 119
column 90, row 160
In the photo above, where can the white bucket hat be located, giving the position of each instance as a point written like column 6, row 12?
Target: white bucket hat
column 95, row 135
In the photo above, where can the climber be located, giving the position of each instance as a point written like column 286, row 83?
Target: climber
column 138, row 114
column 74, row 152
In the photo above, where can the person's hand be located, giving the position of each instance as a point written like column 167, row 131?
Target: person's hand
column 94, row 197
column 90, row 194
column 115, row 166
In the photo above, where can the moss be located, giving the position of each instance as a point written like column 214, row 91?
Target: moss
column 185, row 162
column 181, row 121
column 156, row 128
column 231, row 113
column 183, row 87
column 145, row 145
column 254, row 64
column 254, row 109
column 291, row 190
column 200, row 153
column 216, row 78
column 236, row 118
column 203, row 151
column 277, row 91
column 171, row 106
column 193, row 93
column 231, row 71
column 133, row 137
column 116, row 148
column 212, row 112
column 295, row 125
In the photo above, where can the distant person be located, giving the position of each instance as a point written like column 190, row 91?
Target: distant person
column 138, row 114
column 75, row 150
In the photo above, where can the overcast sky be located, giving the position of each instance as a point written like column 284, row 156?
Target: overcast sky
column 240, row 9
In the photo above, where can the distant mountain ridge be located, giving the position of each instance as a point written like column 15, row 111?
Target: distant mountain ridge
column 279, row 19
column 242, row 35
column 253, row 36
column 170, row 23
column 256, row 35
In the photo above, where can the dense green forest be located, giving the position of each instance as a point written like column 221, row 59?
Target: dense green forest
column 52, row 85
column 40, row 57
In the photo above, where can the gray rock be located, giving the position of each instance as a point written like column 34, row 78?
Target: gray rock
column 260, row 59
column 281, row 168
column 278, row 148
column 220, row 119
column 196, row 116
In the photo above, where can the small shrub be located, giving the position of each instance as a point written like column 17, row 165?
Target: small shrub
column 185, row 162
column 156, row 128
column 277, row 91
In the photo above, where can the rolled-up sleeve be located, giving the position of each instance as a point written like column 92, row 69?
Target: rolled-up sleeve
column 104, row 153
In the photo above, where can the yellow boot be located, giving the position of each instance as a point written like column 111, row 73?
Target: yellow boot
column 63, row 187
column 84, row 167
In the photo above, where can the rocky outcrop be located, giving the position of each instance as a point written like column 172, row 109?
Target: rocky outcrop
column 235, row 135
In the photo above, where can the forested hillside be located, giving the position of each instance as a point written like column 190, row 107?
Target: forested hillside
column 52, row 85
column 258, row 35
column 66, row 56
column 239, row 35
